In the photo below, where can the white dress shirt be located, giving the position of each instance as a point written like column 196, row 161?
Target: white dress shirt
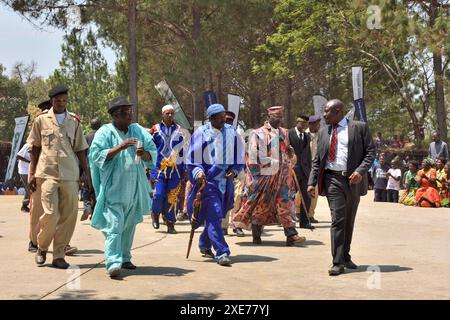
column 299, row 134
column 340, row 164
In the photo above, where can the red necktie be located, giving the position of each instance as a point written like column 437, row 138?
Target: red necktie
column 333, row 145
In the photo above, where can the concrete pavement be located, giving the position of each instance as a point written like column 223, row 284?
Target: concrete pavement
column 409, row 248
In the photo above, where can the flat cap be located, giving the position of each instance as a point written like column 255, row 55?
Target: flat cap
column 56, row 91
column 314, row 118
column 302, row 118
column 118, row 102
column 45, row 105
column 230, row 114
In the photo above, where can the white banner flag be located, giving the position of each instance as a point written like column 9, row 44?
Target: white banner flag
column 319, row 103
column 19, row 131
column 357, row 79
column 179, row 116
column 234, row 103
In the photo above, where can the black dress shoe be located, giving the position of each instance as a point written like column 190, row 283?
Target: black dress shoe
column 32, row 247
column 128, row 265
column 60, row 264
column 257, row 240
column 41, row 256
column 171, row 227
column 239, row 232
column 336, row 270
column 207, row 253
column 312, row 220
column 350, row 265
column 25, row 209
column 155, row 221
column 307, row 225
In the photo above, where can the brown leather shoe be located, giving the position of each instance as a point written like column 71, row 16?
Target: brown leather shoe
column 69, row 250
column 293, row 240
column 336, row 270
column 41, row 256
column 60, row 264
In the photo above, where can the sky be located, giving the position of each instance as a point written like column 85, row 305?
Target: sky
column 20, row 41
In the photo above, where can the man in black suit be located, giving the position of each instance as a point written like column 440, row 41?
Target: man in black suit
column 300, row 142
column 345, row 154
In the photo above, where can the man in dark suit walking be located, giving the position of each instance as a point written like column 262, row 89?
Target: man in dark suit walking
column 345, row 154
column 300, row 142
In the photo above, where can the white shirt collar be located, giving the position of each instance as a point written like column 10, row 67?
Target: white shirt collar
column 343, row 123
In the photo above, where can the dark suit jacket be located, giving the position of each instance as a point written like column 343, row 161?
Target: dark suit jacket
column 302, row 152
column 361, row 154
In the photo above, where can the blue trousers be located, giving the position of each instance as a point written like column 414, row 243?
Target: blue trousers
column 212, row 235
column 119, row 242
column 164, row 186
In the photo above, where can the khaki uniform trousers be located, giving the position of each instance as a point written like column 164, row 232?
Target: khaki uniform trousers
column 312, row 208
column 59, row 199
column 238, row 189
column 36, row 211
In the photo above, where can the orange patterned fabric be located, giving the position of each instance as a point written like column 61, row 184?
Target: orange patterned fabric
column 268, row 199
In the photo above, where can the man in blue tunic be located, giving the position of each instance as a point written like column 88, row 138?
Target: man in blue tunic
column 120, row 183
column 215, row 158
column 168, row 173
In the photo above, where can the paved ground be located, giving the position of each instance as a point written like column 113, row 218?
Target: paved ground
column 410, row 247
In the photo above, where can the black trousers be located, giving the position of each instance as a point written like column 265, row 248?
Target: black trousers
column 343, row 200
column 392, row 196
column 303, row 182
column 380, row 195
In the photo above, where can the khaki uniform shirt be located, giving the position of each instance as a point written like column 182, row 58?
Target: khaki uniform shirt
column 58, row 144
column 313, row 143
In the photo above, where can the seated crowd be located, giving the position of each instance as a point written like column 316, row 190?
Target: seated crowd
column 425, row 185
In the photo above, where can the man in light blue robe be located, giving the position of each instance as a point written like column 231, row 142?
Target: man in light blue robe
column 120, row 183
column 215, row 158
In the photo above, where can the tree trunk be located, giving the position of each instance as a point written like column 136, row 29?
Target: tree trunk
column 220, row 96
column 132, row 57
column 441, row 112
column 272, row 94
column 288, row 103
column 255, row 110
column 196, row 72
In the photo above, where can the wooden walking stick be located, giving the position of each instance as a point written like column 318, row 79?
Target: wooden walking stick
column 197, row 207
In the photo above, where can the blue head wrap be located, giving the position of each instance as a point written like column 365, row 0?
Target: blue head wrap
column 215, row 109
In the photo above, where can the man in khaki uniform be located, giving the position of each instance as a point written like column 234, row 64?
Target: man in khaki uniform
column 58, row 148
column 239, row 183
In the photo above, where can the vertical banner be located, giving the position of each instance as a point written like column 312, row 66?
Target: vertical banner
column 210, row 98
column 319, row 103
column 168, row 96
column 19, row 131
column 358, row 93
column 234, row 103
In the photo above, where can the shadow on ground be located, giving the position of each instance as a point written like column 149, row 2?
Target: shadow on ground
column 280, row 244
column 244, row 258
column 79, row 295
column 379, row 268
column 190, row 296
column 156, row 271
